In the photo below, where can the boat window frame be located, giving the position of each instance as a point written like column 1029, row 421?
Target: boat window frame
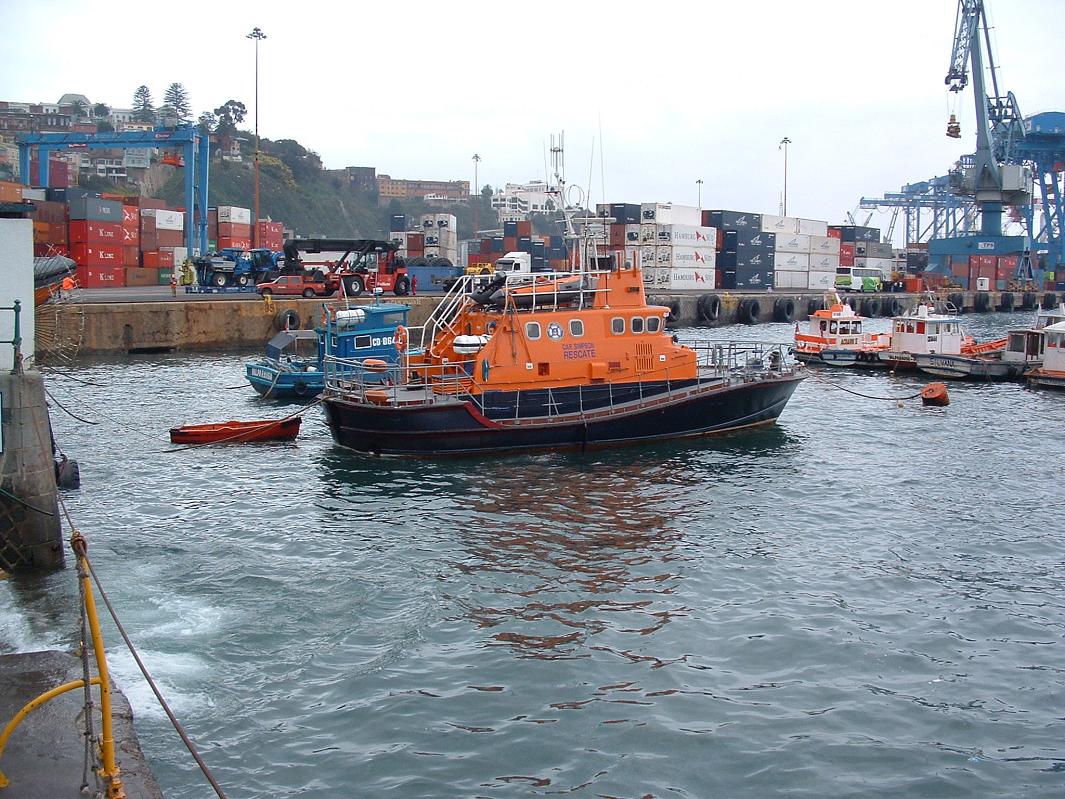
column 576, row 328
column 636, row 322
column 533, row 331
column 616, row 323
column 655, row 322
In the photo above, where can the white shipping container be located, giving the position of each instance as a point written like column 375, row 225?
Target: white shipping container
column 684, row 256
column 779, row 224
column 824, row 244
column 813, row 227
column 687, row 235
column 180, row 254
column 649, row 273
column 432, row 252
column 670, row 214
column 823, row 263
column 790, row 280
column 885, row 265
column 447, row 221
column 647, row 256
column 649, row 233
column 792, row 261
column 792, row 242
column 632, row 234
column 234, row 215
column 169, row 220
column 697, row 278
column 822, row 281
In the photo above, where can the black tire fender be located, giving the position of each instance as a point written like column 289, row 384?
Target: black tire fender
column 784, row 310
column 957, row 300
column 749, row 311
column 981, row 301
column 288, row 318
column 870, row 307
column 709, row 306
column 1006, row 301
column 1050, row 301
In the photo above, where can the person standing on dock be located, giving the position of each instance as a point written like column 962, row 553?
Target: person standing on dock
column 173, row 284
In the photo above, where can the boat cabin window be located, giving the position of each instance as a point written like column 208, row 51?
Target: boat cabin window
column 654, row 324
column 637, row 324
column 363, row 341
column 576, row 328
column 617, row 325
column 833, row 327
column 1016, row 342
column 532, row 330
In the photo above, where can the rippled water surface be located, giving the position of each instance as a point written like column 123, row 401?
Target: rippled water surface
column 864, row 600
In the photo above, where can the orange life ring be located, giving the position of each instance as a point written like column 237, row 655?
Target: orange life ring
column 401, row 338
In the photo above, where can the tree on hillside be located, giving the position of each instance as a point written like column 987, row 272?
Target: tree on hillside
column 77, row 107
column 230, row 114
column 143, row 108
column 104, row 126
column 302, row 162
column 101, row 110
column 177, row 98
column 207, row 122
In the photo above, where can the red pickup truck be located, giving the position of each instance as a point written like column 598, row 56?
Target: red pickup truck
column 306, row 285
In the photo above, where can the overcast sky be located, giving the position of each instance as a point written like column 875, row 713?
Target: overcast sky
column 669, row 92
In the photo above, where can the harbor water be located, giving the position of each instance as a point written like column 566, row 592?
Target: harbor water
column 862, row 600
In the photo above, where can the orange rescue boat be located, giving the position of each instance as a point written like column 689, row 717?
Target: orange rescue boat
column 237, row 432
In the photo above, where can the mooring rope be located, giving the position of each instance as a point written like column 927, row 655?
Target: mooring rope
column 144, row 669
column 820, row 379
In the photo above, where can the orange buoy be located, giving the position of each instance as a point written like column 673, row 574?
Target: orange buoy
column 935, row 394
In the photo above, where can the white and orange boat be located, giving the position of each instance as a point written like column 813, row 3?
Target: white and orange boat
column 1052, row 372
column 925, row 333
column 834, row 337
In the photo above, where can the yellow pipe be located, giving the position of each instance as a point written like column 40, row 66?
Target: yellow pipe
column 32, row 705
column 107, row 742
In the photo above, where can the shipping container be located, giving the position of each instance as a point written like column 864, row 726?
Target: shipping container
column 792, row 261
column 131, row 256
column 397, row 223
column 223, row 243
column 691, row 278
column 625, row 213
column 97, row 254
column 813, row 227
column 164, row 276
column 855, row 233
column 226, row 230
column 10, row 192
column 87, row 232
column 749, row 238
column 753, row 258
column 96, row 210
column 792, row 242
column 828, row 245
column 687, row 236
column 751, row 277
column 732, row 220
column 784, row 279
column 175, row 238
column 821, row 281
column 670, row 214
column 138, row 276
column 100, row 277
column 824, row 263
column 230, row 213
column 784, row 225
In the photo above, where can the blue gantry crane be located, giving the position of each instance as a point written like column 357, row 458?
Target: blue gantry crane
column 195, row 148
column 993, row 175
column 1043, row 146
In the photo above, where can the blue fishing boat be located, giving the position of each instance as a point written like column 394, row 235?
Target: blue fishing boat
column 292, row 365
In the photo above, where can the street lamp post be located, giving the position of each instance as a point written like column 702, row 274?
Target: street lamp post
column 784, row 145
column 476, row 193
column 699, row 183
column 258, row 36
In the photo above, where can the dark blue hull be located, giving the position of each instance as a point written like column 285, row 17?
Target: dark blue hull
column 268, row 383
column 456, row 428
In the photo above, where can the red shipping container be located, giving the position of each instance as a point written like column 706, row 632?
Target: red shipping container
column 131, row 237
column 166, row 259
column 524, row 228
column 416, row 253
column 846, row 249
column 510, row 243
column 846, row 260
column 149, row 241
column 415, row 241
column 45, row 249
column 486, row 246
column 170, row 238
column 101, row 277
column 137, row 276
column 230, row 230
column 617, row 235
column 835, row 233
column 150, row 259
column 982, row 261
column 226, row 243
column 1006, row 267
column 147, row 224
column 97, row 254
column 131, row 256
column 959, row 266
column 88, row 232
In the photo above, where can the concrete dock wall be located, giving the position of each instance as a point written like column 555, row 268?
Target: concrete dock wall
column 220, row 325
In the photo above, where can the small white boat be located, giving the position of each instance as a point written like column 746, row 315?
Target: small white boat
column 926, row 331
column 1052, row 372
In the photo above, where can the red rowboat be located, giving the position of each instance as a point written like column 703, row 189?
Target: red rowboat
column 237, row 432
